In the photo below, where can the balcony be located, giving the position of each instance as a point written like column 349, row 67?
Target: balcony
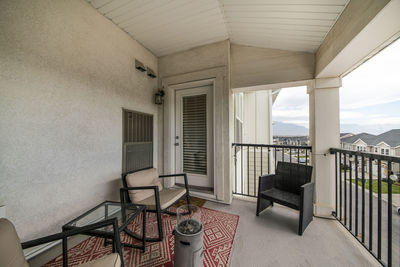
column 368, row 212
column 91, row 89
column 271, row 239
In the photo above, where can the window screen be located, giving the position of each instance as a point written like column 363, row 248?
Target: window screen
column 137, row 140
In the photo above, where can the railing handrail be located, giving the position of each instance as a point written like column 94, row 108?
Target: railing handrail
column 367, row 155
column 272, row 146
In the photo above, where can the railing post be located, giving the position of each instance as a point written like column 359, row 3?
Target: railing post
column 389, row 252
column 241, row 185
column 379, row 210
column 336, row 185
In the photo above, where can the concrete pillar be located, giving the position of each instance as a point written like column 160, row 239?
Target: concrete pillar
column 324, row 134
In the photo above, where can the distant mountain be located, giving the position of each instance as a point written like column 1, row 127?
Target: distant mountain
column 288, row 129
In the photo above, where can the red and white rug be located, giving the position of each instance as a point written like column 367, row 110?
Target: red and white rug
column 219, row 233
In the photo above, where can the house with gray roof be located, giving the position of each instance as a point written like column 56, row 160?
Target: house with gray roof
column 387, row 143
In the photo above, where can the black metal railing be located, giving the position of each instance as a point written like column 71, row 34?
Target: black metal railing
column 254, row 160
column 364, row 184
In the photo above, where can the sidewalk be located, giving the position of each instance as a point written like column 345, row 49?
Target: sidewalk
column 395, row 199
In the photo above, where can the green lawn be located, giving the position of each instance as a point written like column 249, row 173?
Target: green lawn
column 395, row 187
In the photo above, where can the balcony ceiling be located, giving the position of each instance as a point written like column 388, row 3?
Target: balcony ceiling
column 170, row 26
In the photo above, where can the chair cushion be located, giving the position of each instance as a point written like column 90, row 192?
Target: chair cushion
column 142, row 178
column 11, row 254
column 167, row 197
column 282, row 197
column 112, row 260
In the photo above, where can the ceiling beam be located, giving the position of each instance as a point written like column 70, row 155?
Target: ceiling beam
column 360, row 29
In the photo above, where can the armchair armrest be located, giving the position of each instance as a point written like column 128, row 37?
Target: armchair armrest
column 266, row 182
column 306, row 206
column 79, row 230
column 178, row 174
column 307, row 188
column 171, row 175
column 124, row 192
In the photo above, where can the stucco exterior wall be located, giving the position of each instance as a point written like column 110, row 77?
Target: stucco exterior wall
column 66, row 72
column 253, row 66
column 199, row 58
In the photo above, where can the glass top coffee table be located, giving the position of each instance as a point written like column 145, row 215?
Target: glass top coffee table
column 124, row 213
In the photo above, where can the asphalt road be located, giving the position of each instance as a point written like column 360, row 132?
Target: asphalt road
column 384, row 221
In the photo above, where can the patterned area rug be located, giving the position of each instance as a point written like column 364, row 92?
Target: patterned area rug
column 199, row 202
column 219, row 233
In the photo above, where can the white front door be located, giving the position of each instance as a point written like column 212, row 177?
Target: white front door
column 194, row 136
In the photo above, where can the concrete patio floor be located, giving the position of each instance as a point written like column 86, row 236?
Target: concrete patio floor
column 271, row 239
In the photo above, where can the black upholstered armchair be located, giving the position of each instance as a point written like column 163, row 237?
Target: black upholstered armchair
column 290, row 186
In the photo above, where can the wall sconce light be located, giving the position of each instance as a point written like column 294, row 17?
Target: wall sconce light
column 158, row 97
column 139, row 66
column 151, row 73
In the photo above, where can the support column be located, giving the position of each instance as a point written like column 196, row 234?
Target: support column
column 324, row 134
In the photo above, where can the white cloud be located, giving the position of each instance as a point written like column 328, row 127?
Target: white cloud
column 344, row 115
column 395, row 121
column 375, row 82
column 304, row 123
column 291, row 106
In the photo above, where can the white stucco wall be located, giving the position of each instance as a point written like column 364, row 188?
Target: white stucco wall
column 252, row 66
column 65, row 74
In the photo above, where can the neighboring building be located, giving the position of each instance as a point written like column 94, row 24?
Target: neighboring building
column 292, row 140
column 358, row 142
column 253, row 121
column 253, row 125
column 387, row 143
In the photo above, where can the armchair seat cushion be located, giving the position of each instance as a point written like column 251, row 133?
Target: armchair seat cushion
column 11, row 254
column 146, row 177
column 282, row 197
column 112, row 260
column 167, row 197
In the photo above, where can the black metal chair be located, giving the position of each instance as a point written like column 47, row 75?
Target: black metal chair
column 290, row 186
column 12, row 255
column 158, row 202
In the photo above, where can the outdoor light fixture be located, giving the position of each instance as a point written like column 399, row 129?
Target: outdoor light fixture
column 151, row 73
column 158, row 97
column 139, row 66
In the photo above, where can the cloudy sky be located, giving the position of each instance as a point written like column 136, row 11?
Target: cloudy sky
column 369, row 97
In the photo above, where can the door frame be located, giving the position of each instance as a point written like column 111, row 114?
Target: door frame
column 191, row 91
column 223, row 134
column 172, row 89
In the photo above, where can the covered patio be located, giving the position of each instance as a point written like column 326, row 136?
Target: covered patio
column 92, row 89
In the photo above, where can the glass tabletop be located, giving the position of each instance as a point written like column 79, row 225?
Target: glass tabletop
column 104, row 211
